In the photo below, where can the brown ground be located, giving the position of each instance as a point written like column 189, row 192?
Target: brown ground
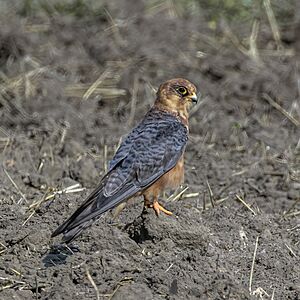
column 240, row 146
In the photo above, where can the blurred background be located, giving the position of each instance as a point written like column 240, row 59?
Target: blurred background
column 84, row 64
column 75, row 76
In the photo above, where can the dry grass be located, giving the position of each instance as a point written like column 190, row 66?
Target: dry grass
column 252, row 265
column 50, row 194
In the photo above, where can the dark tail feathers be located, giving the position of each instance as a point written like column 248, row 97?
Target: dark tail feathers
column 95, row 205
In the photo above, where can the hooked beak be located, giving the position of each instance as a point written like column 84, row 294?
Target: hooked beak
column 194, row 98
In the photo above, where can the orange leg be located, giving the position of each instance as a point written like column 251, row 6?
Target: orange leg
column 146, row 202
column 156, row 206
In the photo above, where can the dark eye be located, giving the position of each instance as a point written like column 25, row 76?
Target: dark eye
column 182, row 90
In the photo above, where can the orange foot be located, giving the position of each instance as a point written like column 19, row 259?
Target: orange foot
column 158, row 208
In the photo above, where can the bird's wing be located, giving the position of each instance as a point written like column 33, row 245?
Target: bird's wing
column 152, row 149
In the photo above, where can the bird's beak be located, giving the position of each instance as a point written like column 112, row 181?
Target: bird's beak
column 194, row 98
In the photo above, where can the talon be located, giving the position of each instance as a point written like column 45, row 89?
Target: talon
column 158, row 208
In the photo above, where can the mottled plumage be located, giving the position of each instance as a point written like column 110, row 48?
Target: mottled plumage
column 148, row 160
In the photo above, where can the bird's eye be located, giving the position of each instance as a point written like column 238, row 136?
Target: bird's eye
column 182, row 91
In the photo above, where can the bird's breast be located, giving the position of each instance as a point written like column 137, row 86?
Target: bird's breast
column 175, row 176
column 172, row 179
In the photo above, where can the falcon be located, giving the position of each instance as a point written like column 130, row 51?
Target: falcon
column 149, row 160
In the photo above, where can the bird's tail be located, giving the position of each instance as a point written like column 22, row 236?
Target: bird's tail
column 95, row 205
column 81, row 219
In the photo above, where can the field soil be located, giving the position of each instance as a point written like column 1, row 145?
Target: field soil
column 72, row 86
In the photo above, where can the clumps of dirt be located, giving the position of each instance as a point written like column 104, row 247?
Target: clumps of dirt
column 67, row 85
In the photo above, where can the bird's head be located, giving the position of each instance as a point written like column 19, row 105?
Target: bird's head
column 176, row 95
